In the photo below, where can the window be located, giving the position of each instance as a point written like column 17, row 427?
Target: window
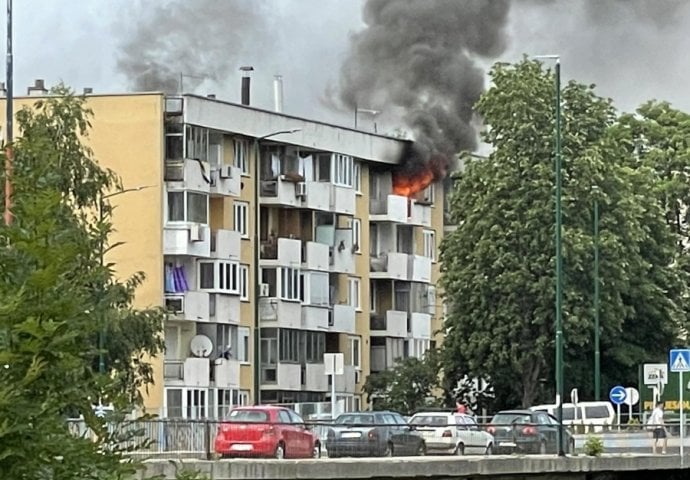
column 269, row 346
column 355, row 352
column 241, row 148
column 315, row 346
column 243, row 344
column 187, row 207
column 357, row 234
column 221, row 277
column 431, row 300
column 173, row 141
column 357, row 174
column 373, row 239
column 430, row 244
column 315, row 288
column 289, row 345
column 241, row 210
column 373, row 300
column 354, row 293
column 342, row 170
column 289, row 284
column 196, row 403
column 173, row 402
column 244, row 283
column 197, row 143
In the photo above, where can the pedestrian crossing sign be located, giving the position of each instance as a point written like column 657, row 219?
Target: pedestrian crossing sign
column 679, row 360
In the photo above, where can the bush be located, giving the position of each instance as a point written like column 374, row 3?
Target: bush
column 594, row 446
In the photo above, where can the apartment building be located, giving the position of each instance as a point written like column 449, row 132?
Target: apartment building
column 339, row 263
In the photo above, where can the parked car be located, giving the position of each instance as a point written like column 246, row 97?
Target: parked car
column 527, row 431
column 373, row 434
column 595, row 416
column 448, row 432
column 265, row 431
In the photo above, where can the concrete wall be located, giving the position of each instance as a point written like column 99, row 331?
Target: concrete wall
column 497, row 468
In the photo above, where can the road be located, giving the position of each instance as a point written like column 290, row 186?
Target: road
column 635, row 442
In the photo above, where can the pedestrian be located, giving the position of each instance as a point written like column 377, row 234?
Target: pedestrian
column 460, row 407
column 656, row 423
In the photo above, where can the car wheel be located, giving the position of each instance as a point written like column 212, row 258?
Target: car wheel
column 421, row 451
column 388, row 452
column 316, row 451
column 460, row 449
column 542, row 448
column 280, row 451
column 489, row 449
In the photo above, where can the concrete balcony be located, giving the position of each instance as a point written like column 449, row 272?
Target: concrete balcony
column 342, row 200
column 315, row 379
column 315, row 195
column 226, row 373
column 391, row 265
column 188, row 174
column 419, row 268
column 420, row 214
column 279, row 192
column 342, row 319
column 187, row 239
column 392, row 324
column 289, row 376
column 224, row 308
column 345, row 383
column 392, row 208
column 420, row 325
column 342, row 255
column 191, row 305
column 192, row 372
column 285, row 252
column 274, row 312
column 226, row 181
column 226, row 244
column 316, row 256
column 315, row 317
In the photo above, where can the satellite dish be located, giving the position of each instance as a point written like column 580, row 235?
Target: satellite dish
column 201, row 346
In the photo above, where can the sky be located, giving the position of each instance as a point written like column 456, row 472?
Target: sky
column 631, row 53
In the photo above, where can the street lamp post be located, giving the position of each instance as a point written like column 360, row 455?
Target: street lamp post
column 559, row 258
column 101, row 253
column 257, row 258
column 597, row 333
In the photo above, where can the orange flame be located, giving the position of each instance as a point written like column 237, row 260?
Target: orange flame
column 410, row 186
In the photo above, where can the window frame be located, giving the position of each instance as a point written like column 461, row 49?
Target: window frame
column 240, row 220
column 186, row 217
column 356, row 225
column 241, row 150
column 354, row 301
column 244, row 283
column 289, row 284
column 429, row 237
column 222, row 283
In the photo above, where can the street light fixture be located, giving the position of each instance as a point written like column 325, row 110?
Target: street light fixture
column 257, row 258
column 559, row 256
column 101, row 252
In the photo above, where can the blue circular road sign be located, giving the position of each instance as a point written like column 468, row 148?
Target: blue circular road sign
column 618, row 395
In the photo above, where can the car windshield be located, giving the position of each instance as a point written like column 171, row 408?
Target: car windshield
column 355, row 420
column 430, row 420
column 249, row 416
column 510, row 418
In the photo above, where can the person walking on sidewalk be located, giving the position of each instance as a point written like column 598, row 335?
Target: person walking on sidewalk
column 656, row 423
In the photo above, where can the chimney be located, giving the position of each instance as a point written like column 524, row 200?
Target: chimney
column 39, row 89
column 246, row 79
column 278, row 93
column 88, row 90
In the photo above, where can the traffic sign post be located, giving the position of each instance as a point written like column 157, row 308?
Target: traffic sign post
column 679, row 361
column 617, row 395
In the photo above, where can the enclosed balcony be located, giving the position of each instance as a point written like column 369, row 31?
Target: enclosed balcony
column 188, row 174
column 226, row 181
column 390, row 208
column 192, row 239
column 390, row 265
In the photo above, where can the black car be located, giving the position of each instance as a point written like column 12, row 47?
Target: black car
column 382, row 434
column 527, row 431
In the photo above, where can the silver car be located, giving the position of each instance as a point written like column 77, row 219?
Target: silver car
column 454, row 433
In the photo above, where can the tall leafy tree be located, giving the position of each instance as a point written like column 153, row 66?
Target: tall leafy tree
column 499, row 264
column 58, row 299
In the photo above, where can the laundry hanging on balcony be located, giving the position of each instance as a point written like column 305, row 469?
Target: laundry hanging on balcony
column 175, row 279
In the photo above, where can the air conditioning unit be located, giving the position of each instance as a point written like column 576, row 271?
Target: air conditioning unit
column 174, row 304
column 301, row 189
column 174, row 172
column 196, row 233
column 264, row 290
column 226, row 171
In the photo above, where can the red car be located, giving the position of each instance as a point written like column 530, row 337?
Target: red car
column 266, row 431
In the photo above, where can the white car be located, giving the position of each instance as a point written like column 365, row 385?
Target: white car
column 455, row 433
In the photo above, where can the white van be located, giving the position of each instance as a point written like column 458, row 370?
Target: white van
column 596, row 416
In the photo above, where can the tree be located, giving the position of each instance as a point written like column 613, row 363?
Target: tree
column 499, row 264
column 407, row 387
column 57, row 298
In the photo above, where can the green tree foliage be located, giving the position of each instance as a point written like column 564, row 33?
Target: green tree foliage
column 56, row 299
column 407, row 387
column 499, row 264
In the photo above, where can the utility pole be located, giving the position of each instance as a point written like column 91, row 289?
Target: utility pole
column 9, row 121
